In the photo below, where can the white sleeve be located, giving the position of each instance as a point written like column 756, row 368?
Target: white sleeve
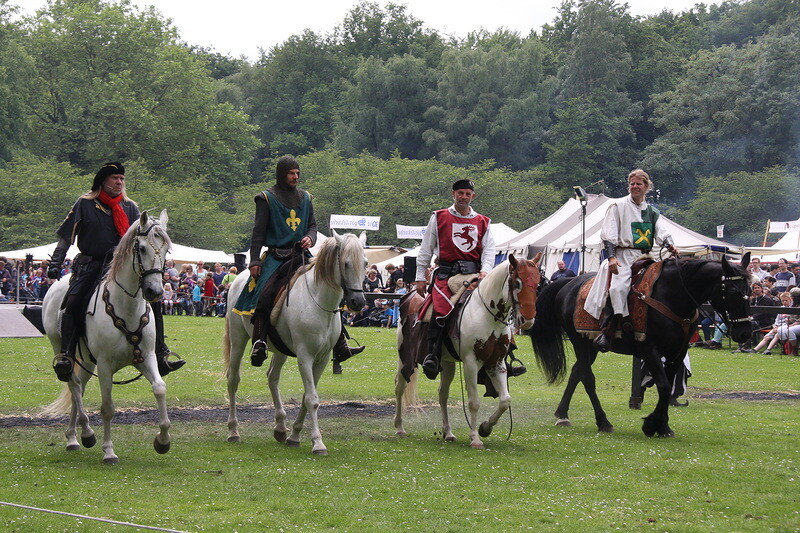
column 662, row 233
column 427, row 248
column 487, row 257
column 609, row 231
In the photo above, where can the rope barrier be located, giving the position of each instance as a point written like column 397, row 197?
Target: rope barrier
column 104, row 520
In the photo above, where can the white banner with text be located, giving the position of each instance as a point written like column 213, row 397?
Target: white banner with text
column 355, row 222
column 410, row 232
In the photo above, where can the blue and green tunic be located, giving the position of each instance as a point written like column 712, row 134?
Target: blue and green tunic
column 285, row 227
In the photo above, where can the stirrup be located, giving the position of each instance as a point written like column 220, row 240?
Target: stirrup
column 63, row 365
column 431, row 367
column 259, row 353
column 165, row 366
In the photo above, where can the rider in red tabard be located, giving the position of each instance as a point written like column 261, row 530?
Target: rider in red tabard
column 462, row 240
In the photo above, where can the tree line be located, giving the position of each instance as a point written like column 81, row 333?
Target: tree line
column 384, row 112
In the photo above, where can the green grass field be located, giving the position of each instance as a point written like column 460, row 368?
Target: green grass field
column 733, row 465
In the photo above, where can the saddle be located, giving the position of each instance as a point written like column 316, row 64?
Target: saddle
column 458, row 288
column 644, row 274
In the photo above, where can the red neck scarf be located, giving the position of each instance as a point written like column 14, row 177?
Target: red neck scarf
column 121, row 222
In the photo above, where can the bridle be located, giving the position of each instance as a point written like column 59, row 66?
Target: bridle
column 509, row 282
column 727, row 318
column 342, row 285
column 138, row 266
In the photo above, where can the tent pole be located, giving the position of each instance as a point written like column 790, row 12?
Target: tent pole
column 766, row 232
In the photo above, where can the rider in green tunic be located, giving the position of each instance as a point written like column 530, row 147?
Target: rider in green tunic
column 284, row 223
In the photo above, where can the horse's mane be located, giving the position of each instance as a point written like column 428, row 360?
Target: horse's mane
column 326, row 260
column 124, row 249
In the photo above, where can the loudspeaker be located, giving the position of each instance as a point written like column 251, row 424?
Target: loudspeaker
column 34, row 316
column 409, row 269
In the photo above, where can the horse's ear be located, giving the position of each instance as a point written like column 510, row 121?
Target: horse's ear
column 537, row 258
column 513, row 261
column 727, row 269
column 143, row 219
column 163, row 218
column 363, row 238
column 745, row 260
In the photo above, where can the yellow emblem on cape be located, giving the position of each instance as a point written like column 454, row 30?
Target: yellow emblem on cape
column 643, row 236
column 293, row 221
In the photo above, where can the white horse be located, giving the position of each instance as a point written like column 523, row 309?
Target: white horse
column 119, row 332
column 309, row 324
column 504, row 297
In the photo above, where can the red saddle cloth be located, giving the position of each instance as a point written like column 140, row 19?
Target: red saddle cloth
column 644, row 274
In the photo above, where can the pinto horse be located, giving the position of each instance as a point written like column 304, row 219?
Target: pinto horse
column 505, row 297
column 309, row 324
column 683, row 285
column 119, row 332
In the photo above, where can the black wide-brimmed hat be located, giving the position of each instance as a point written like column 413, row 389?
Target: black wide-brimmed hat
column 105, row 171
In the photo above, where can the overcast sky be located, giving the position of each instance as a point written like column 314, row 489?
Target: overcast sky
column 241, row 27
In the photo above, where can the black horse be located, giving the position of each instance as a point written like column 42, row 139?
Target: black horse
column 682, row 286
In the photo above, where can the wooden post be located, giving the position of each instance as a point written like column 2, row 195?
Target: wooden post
column 766, row 232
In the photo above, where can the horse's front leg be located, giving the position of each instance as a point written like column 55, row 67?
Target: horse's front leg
column 107, row 411
column 273, row 378
column 499, row 377
column 445, row 380
column 317, row 446
column 470, row 365
column 657, row 422
column 150, row 371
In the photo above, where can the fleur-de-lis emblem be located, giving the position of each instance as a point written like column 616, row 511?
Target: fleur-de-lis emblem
column 293, row 221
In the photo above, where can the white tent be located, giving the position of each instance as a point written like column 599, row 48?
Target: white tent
column 560, row 234
column 179, row 254
column 787, row 247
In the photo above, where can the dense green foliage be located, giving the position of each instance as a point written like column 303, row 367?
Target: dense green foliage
column 386, row 111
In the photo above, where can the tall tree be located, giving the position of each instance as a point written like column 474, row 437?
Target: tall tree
column 114, row 84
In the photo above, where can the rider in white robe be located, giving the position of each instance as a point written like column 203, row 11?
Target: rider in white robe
column 630, row 229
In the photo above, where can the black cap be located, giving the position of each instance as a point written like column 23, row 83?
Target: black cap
column 463, row 184
column 105, row 171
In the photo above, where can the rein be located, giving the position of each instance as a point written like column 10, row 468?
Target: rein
column 141, row 272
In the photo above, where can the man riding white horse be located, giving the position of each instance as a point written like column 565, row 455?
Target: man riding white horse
column 98, row 219
column 475, row 256
column 285, row 224
column 630, row 229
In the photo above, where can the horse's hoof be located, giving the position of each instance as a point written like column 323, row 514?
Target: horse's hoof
column 292, row 443
column 89, row 441
column 280, row 436
column 400, row 433
column 605, row 428
column 234, row 438
column 450, row 438
column 484, row 430
column 321, row 451
column 563, row 423
column 73, row 447
column 477, row 446
column 161, row 448
column 110, row 460
column 667, row 434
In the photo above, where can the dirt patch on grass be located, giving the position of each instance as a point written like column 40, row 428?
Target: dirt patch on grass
column 748, row 395
column 245, row 413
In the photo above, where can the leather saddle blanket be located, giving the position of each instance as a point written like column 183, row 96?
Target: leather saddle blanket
column 457, row 284
column 644, row 274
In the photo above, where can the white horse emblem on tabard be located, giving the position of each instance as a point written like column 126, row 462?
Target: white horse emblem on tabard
column 465, row 236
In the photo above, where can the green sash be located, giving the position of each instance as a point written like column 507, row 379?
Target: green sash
column 644, row 232
column 286, row 226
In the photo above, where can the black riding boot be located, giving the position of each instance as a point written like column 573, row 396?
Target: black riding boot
column 431, row 366
column 163, row 353
column 603, row 342
column 343, row 351
column 64, row 361
column 259, row 353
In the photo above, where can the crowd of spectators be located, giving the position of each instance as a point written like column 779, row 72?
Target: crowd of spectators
column 777, row 287
column 380, row 312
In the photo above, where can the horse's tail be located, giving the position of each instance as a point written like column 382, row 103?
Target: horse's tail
column 547, row 331
column 226, row 346
column 60, row 405
column 411, row 394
